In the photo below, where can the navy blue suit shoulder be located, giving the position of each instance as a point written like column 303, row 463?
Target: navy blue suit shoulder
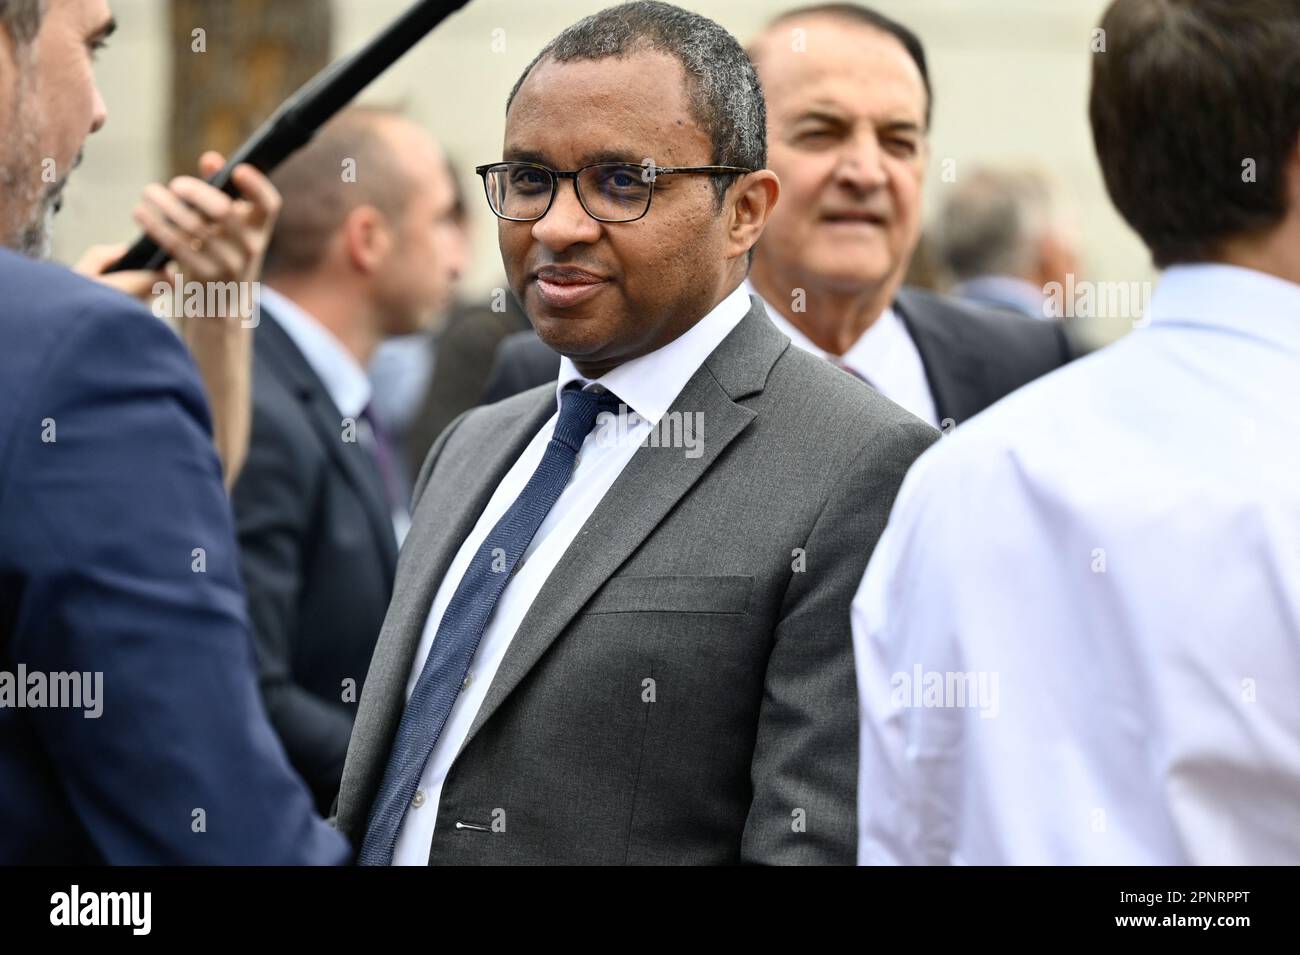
column 118, row 561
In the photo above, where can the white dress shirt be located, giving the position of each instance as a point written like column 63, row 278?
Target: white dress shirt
column 884, row 356
column 345, row 381
column 1107, row 564
column 647, row 386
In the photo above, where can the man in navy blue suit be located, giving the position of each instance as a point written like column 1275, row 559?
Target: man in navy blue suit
column 131, row 730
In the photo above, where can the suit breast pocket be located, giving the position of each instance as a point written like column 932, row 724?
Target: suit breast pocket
column 698, row 595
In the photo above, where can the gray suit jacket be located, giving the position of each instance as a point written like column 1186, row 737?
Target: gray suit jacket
column 682, row 689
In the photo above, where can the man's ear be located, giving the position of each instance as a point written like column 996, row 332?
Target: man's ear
column 751, row 206
column 367, row 238
column 1056, row 258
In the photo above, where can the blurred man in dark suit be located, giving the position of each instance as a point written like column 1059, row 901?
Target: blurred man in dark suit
column 849, row 106
column 367, row 246
column 625, row 638
column 522, row 361
column 463, row 366
column 118, row 575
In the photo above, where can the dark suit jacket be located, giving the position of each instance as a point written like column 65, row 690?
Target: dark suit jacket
column 972, row 356
column 522, row 361
column 117, row 556
column 318, row 555
column 976, row 356
column 463, row 356
column 724, row 580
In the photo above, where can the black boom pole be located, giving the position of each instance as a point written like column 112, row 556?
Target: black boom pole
column 298, row 118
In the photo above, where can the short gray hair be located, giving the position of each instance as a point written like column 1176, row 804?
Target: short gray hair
column 22, row 18
column 725, row 96
column 992, row 221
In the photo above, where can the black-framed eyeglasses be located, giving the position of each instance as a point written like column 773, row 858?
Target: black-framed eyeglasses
column 608, row 191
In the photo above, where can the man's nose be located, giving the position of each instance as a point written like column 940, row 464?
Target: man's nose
column 99, row 113
column 862, row 163
column 566, row 223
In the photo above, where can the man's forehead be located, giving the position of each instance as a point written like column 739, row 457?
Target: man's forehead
column 830, row 52
column 813, row 31
column 583, row 153
column 644, row 83
column 882, row 88
column 408, row 139
column 617, row 109
column 893, row 104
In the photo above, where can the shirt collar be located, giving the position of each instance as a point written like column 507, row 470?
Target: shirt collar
column 650, row 384
column 1007, row 291
column 1230, row 298
column 783, row 324
column 865, row 355
column 875, row 349
column 343, row 377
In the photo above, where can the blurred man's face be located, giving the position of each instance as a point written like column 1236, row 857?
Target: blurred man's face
column 605, row 293
column 418, row 280
column 49, row 104
column 847, row 137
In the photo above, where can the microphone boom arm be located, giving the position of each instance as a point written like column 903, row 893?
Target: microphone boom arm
column 296, row 121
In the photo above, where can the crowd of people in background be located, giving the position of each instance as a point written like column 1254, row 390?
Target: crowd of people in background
column 714, row 540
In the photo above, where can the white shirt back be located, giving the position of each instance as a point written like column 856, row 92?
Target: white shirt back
column 1107, row 562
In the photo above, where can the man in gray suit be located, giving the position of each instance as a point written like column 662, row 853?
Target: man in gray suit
column 631, row 645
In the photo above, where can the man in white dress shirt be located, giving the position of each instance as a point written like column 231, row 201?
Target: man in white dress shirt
column 1079, row 638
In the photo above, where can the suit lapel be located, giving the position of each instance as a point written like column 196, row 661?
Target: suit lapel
column 956, row 374
column 450, row 505
column 654, row 480
column 352, row 458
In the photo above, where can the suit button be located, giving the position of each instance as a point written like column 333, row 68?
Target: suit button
column 419, row 799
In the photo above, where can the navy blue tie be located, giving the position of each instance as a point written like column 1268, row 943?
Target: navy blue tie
column 467, row 616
